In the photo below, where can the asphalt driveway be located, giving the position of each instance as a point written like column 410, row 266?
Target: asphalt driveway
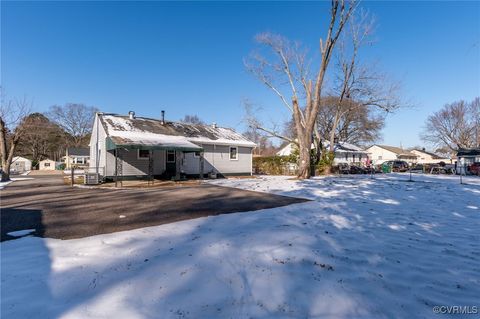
column 56, row 210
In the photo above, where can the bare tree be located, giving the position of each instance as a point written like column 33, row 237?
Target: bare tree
column 358, row 124
column 12, row 116
column 358, row 87
column 287, row 65
column 75, row 119
column 454, row 126
column 42, row 138
column 192, row 119
column 264, row 144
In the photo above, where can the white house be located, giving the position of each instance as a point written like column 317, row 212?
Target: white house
column 135, row 147
column 425, row 157
column 20, row 165
column 382, row 153
column 344, row 152
column 465, row 158
column 77, row 157
column 46, row 165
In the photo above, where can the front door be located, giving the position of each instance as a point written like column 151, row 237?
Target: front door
column 171, row 164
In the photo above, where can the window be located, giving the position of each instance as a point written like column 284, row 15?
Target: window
column 233, row 153
column 196, row 154
column 379, row 157
column 46, row 164
column 143, row 154
column 170, row 156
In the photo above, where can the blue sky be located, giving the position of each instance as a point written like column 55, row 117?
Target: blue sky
column 187, row 58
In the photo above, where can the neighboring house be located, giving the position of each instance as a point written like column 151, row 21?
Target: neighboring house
column 46, row 165
column 348, row 153
column 20, row 165
column 344, row 152
column 287, row 150
column 130, row 146
column 77, row 156
column 425, row 157
column 465, row 158
column 382, row 153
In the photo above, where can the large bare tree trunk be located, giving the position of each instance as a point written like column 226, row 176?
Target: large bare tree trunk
column 291, row 67
column 6, row 152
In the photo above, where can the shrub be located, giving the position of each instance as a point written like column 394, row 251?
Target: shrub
column 273, row 165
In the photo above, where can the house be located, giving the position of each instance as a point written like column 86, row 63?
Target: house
column 46, row 165
column 20, row 165
column 347, row 153
column 136, row 147
column 382, row 153
column 344, row 152
column 426, row 157
column 77, row 157
column 465, row 158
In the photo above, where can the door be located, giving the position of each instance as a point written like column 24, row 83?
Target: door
column 171, row 164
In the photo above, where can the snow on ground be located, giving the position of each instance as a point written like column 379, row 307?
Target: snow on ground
column 13, row 179
column 364, row 248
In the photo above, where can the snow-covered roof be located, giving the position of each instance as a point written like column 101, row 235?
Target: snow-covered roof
column 344, row 147
column 341, row 147
column 140, row 131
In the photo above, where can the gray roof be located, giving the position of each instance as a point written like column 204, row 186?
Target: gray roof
column 141, row 131
column 397, row 150
column 468, row 151
column 78, row 151
column 433, row 155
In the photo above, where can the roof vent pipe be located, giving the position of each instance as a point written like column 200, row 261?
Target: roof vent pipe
column 214, row 125
column 131, row 115
column 163, row 117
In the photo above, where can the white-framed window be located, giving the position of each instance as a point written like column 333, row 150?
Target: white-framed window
column 196, row 154
column 46, row 164
column 380, row 157
column 233, row 153
column 170, row 156
column 143, row 154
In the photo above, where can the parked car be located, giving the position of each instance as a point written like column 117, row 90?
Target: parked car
column 398, row 166
column 475, row 168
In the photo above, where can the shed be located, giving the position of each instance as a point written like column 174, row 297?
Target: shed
column 20, row 165
column 46, row 165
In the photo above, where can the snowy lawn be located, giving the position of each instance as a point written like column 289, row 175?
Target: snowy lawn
column 364, row 248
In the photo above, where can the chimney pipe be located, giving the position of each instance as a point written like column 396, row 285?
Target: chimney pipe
column 131, row 115
column 163, row 117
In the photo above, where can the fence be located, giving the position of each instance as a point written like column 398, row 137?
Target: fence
column 78, row 175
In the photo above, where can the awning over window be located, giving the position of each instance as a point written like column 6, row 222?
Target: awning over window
column 147, row 141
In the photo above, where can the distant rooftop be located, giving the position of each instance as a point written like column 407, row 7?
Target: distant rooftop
column 78, row 151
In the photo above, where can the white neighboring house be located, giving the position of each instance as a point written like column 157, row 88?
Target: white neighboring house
column 136, row 147
column 344, row 152
column 382, row 153
column 77, row 157
column 465, row 158
column 425, row 157
column 47, row 165
column 20, row 165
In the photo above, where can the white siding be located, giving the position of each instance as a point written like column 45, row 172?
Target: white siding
column 380, row 155
column 98, row 156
